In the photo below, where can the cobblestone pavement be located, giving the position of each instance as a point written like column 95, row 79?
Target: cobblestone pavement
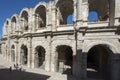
column 28, row 74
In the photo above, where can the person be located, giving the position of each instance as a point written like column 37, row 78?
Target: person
column 20, row 67
column 16, row 66
column 10, row 69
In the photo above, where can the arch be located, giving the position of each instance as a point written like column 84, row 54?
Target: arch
column 7, row 22
column 14, row 18
column 42, row 3
column 65, row 8
column 13, row 53
column 24, row 18
column 40, row 57
column 65, row 59
column 24, row 55
column 103, row 11
column 98, row 59
column 40, row 12
column 110, row 45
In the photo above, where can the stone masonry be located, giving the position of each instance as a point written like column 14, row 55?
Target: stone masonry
column 40, row 37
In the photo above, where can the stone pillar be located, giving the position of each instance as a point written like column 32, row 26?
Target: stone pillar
column 115, row 67
column 3, row 49
column 16, row 51
column 8, row 49
column 79, row 11
column 117, row 11
column 48, row 54
column 33, row 58
column 19, row 52
column 54, row 18
column 79, row 59
column 49, row 16
column 85, row 13
column 57, row 17
column 29, row 46
column 37, row 22
column 32, row 20
column 54, row 59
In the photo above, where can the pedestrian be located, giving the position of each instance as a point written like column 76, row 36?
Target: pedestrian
column 20, row 67
column 10, row 69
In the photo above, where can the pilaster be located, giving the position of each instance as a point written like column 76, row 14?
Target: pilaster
column 54, row 12
column 29, row 45
column 117, row 11
column 16, row 51
column 48, row 54
column 115, row 67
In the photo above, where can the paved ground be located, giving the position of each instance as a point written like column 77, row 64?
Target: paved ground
column 28, row 74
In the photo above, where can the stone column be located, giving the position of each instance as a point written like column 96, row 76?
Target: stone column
column 117, row 11
column 3, row 49
column 33, row 58
column 29, row 45
column 85, row 13
column 54, row 59
column 54, row 18
column 79, row 59
column 19, row 52
column 48, row 54
column 32, row 20
column 79, row 15
column 36, row 22
column 49, row 16
column 115, row 67
column 16, row 51
column 8, row 49
column 57, row 17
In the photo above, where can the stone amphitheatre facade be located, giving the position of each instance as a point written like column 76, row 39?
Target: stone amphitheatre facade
column 40, row 37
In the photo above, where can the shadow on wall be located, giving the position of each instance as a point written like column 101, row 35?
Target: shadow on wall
column 6, row 74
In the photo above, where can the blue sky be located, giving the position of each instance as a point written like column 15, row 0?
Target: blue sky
column 10, row 7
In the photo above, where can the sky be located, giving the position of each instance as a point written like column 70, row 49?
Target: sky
column 10, row 7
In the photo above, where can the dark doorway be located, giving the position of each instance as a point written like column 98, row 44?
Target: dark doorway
column 13, row 53
column 24, row 55
column 65, row 59
column 98, row 62
column 40, row 57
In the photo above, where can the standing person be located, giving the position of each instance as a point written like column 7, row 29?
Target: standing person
column 20, row 67
column 10, row 69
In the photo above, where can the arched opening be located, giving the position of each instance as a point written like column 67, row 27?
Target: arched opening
column 65, row 59
column 7, row 22
column 41, row 16
column 100, row 6
column 13, row 23
column 98, row 62
column 40, row 57
column 93, row 16
column 65, row 8
column 24, row 19
column 13, row 53
column 24, row 55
